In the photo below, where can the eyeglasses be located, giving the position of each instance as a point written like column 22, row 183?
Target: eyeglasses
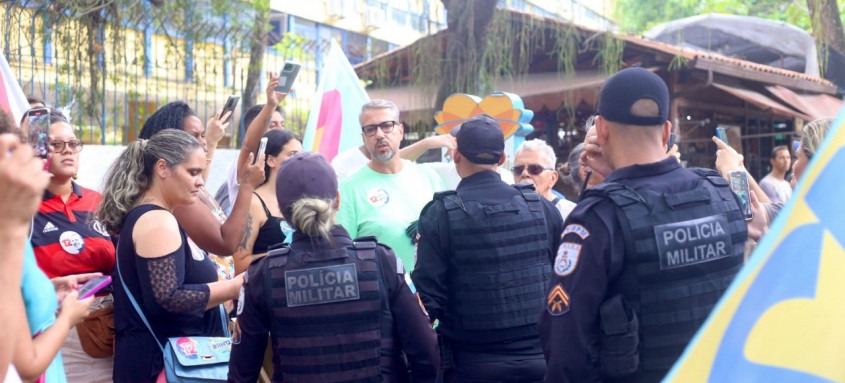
column 533, row 169
column 795, row 145
column 74, row 145
column 386, row 127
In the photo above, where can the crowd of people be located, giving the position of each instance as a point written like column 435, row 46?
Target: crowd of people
column 374, row 268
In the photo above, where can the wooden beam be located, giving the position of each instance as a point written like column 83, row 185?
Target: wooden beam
column 764, row 77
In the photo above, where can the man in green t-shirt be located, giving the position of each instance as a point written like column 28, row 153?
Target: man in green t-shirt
column 387, row 195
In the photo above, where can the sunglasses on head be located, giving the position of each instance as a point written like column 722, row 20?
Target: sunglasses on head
column 533, row 169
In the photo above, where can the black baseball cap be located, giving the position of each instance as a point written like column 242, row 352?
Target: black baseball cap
column 304, row 175
column 480, row 140
column 628, row 86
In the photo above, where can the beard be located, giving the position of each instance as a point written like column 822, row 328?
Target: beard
column 384, row 157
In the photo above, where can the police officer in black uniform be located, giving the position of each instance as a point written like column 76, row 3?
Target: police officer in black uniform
column 483, row 262
column 336, row 309
column 644, row 256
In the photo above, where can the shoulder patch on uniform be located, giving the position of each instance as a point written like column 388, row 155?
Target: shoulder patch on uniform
column 321, row 285
column 567, row 258
column 577, row 229
column 557, row 302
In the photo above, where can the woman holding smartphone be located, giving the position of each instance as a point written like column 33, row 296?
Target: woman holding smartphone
column 209, row 229
column 177, row 289
column 265, row 220
column 68, row 241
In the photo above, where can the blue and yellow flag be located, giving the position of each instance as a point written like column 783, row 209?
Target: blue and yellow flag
column 783, row 318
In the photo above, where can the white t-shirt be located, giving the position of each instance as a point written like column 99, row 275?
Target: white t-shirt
column 565, row 206
column 232, row 183
column 449, row 174
column 347, row 162
column 777, row 190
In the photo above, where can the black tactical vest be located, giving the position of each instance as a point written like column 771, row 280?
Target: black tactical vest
column 682, row 252
column 329, row 316
column 503, row 266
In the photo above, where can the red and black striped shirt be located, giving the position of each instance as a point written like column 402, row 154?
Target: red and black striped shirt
column 66, row 238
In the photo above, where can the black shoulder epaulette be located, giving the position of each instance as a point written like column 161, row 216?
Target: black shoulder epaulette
column 365, row 247
column 278, row 257
column 710, row 175
column 525, row 187
column 443, row 194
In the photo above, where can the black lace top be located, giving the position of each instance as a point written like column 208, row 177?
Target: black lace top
column 172, row 293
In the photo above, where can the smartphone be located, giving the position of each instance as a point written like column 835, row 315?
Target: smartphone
column 722, row 133
column 287, row 76
column 262, row 146
column 671, row 142
column 38, row 120
column 93, row 286
column 230, row 105
column 739, row 185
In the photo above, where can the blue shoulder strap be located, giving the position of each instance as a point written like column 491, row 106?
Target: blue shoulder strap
column 141, row 313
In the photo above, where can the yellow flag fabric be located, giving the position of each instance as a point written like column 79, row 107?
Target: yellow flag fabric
column 783, row 318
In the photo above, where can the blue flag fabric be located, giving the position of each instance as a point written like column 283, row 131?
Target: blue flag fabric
column 783, row 318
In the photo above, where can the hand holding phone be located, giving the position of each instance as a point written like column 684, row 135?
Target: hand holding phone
column 93, row 286
column 722, row 133
column 262, row 147
column 230, row 105
column 38, row 121
column 739, row 185
column 287, row 77
column 671, row 142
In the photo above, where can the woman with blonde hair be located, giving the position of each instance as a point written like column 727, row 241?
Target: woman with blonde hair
column 176, row 289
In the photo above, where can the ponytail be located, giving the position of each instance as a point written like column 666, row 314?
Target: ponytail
column 127, row 180
column 132, row 174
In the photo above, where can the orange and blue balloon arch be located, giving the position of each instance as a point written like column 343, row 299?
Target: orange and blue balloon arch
column 506, row 108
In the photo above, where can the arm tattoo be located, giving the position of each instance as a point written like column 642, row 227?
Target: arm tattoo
column 247, row 232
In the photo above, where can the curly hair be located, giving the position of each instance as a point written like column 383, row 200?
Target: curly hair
column 170, row 116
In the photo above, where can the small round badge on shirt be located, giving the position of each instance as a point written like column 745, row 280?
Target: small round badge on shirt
column 378, row 197
column 72, row 242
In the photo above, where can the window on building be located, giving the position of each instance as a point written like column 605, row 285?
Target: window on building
column 378, row 47
column 398, row 16
column 356, row 48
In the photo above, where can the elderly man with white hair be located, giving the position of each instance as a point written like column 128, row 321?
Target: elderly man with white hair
column 534, row 163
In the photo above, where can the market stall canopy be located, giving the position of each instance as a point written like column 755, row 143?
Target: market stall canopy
column 814, row 105
column 534, row 88
column 768, row 42
column 762, row 101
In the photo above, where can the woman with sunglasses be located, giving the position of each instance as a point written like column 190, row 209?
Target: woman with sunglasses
column 69, row 243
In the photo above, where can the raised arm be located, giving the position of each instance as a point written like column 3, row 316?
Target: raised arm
column 214, row 132
column 204, row 227
column 728, row 160
column 259, row 125
column 417, row 149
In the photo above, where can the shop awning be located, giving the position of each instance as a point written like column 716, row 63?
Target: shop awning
column 814, row 105
column 762, row 102
column 532, row 88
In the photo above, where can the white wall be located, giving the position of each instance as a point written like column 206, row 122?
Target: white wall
column 95, row 160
